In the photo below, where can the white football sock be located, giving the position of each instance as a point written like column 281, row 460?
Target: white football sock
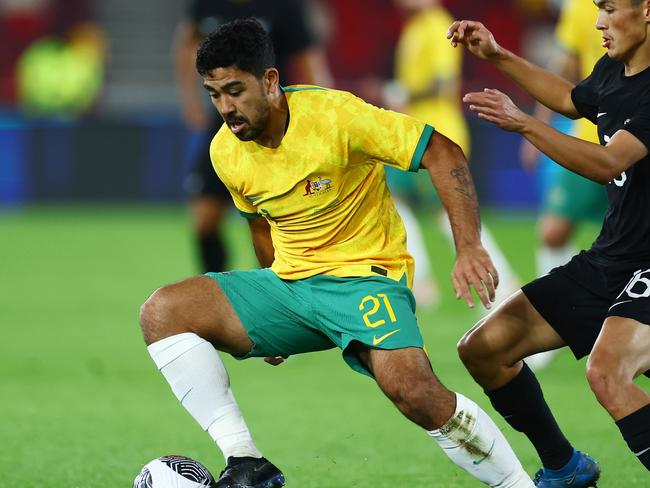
column 551, row 257
column 198, row 378
column 473, row 442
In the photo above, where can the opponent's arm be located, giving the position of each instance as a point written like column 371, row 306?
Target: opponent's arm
column 598, row 163
column 547, row 88
column 449, row 172
column 567, row 65
column 261, row 234
column 311, row 67
column 186, row 42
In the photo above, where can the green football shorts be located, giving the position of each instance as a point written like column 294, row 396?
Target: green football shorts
column 285, row 317
column 575, row 198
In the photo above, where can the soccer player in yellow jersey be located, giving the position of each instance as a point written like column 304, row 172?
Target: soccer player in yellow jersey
column 568, row 198
column 305, row 165
column 427, row 87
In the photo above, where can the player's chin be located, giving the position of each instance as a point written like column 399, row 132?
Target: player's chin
column 614, row 54
column 248, row 133
column 245, row 135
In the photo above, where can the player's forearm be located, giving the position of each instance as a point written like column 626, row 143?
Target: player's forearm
column 549, row 89
column 590, row 160
column 449, row 172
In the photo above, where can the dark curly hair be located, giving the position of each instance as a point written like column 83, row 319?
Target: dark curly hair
column 242, row 43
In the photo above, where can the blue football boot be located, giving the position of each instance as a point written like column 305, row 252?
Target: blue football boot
column 250, row 472
column 581, row 471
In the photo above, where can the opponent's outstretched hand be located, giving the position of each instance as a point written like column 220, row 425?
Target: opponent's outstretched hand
column 473, row 267
column 498, row 108
column 475, row 37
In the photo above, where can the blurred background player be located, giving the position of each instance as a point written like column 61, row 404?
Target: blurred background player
column 568, row 198
column 300, row 59
column 427, row 87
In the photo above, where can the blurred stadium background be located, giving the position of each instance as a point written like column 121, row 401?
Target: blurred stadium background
column 93, row 217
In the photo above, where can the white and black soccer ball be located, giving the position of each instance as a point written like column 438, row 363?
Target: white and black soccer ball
column 174, row 472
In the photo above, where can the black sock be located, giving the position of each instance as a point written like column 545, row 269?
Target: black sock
column 213, row 253
column 521, row 403
column 636, row 432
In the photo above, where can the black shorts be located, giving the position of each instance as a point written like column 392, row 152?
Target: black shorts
column 202, row 180
column 575, row 299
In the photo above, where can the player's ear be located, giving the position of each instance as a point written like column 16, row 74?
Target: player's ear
column 271, row 80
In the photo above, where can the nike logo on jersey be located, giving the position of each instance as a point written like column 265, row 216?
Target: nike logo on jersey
column 600, row 114
column 381, row 339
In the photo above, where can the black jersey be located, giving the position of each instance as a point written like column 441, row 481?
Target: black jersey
column 614, row 101
column 284, row 20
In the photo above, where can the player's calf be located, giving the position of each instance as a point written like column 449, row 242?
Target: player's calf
column 460, row 427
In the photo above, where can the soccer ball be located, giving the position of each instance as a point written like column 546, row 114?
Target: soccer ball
column 174, row 472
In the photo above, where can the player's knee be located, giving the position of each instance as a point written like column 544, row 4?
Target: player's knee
column 555, row 236
column 154, row 314
column 606, row 377
column 469, row 347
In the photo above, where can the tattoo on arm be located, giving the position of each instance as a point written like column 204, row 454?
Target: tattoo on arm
column 464, row 183
column 465, row 186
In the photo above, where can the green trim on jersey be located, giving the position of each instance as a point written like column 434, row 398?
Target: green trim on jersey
column 420, row 148
column 300, row 88
column 249, row 215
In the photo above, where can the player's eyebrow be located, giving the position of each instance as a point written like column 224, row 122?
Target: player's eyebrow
column 227, row 86
column 600, row 3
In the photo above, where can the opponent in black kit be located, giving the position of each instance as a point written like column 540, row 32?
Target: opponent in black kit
column 599, row 303
column 297, row 54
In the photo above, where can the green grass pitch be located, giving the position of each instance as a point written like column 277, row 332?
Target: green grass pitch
column 82, row 405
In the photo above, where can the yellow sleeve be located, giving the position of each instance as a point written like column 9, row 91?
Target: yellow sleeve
column 245, row 207
column 384, row 136
column 566, row 32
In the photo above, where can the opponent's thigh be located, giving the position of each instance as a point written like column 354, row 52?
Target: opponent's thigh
column 624, row 344
column 511, row 332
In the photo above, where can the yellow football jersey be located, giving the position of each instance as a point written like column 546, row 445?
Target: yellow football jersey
column 323, row 190
column 576, row 32
column 423, row 57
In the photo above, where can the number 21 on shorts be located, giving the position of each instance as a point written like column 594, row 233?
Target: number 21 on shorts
column 373, row 304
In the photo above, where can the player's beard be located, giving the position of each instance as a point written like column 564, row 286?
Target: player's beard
column 255, row 125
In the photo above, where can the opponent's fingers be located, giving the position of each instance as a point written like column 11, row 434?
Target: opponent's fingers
column 489, row 118
column 484, row 109
column 453, row 28
column 481, row 98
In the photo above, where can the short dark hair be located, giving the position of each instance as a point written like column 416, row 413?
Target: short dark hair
column 242, row 43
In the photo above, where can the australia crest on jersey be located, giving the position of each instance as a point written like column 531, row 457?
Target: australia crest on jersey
column 317, row 186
